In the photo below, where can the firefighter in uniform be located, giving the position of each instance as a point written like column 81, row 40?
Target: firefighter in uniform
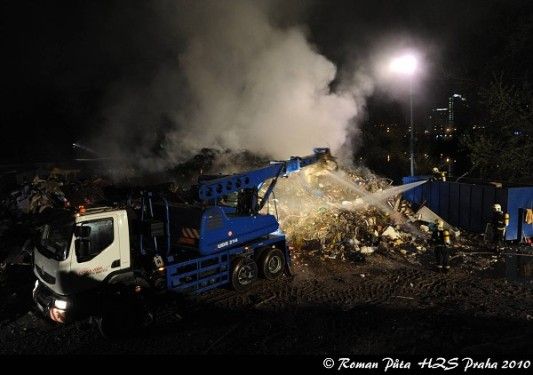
column 438, row 175
column 500, row 221
column 440, row 239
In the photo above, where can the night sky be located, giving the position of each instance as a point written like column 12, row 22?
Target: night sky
column 61, row 59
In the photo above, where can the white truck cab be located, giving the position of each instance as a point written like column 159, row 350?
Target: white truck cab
column 76, row 253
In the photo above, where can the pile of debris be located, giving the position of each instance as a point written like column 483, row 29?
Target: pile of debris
column 346, row 214
column 34, row 197
column 22, row 207
column 342, row 213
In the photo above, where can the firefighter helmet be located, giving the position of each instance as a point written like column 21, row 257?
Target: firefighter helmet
column 497, row 207
column 436, row 170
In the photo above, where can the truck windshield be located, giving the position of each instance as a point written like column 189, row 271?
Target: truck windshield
column 55, row 239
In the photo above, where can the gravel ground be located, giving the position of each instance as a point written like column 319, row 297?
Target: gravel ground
column 391, row 305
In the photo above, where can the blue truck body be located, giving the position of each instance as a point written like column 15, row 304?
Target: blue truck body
column 200, row 241
column 212, row 271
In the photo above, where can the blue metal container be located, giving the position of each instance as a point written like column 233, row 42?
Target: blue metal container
column 469, row 205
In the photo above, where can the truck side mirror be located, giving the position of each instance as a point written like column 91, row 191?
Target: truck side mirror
column 83, row 248
column 82, row 231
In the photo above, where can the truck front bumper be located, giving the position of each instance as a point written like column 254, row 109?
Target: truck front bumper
column 51, row 305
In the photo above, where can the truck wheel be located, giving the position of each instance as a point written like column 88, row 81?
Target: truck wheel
column 243, row 274
column 116, row 322
column 121, row 316
column 272, row 264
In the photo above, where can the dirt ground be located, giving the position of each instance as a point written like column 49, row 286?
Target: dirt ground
column 386, row 304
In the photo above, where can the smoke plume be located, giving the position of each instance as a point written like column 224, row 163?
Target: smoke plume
column 240, row 80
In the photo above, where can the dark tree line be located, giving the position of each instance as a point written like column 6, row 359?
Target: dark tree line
column 504, row 148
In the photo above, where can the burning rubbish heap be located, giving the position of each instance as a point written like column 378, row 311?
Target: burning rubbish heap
column 333, row 212
column 326, row 211
column 346, row 214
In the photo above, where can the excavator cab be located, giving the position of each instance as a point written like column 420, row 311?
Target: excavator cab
column 247, row 202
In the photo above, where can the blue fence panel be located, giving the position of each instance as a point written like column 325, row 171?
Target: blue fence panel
column 518, row 198
column 426, row 189
column 500, row 196
column 413, row 195
column 465, row 205
column 453, row 216
column 469, row 206
column 476, row 209
column 419, row 194
column 433, row 199
column 444, row 203
column 489, row 195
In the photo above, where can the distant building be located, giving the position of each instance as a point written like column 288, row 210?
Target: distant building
column 444, row 121
column 438, row 122
column 457, row 111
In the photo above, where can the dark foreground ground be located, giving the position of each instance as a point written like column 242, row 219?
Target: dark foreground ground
column 386, row 305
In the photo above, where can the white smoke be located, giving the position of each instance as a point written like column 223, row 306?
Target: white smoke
column 241, row 82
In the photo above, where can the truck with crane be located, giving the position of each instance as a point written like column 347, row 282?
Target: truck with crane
column 97, row 260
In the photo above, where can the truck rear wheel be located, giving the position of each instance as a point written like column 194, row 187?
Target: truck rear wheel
column 272, row 264
column 243, row 274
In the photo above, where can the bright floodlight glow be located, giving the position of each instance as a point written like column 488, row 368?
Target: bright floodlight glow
column 406, row 64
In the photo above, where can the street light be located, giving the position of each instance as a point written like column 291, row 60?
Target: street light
column 406, row 65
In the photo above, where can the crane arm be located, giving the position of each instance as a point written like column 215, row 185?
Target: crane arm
column 219, row 187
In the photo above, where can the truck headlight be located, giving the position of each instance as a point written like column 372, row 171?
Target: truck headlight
column 60, row 304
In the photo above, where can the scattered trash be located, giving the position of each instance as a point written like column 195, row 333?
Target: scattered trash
column 403, row 297
column 426, row 215
column 264, row 301
column 367, row 250
column 391, row 233
column 345, row 215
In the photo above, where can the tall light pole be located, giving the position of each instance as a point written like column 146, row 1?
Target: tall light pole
column 406, row 65
column 411, row 128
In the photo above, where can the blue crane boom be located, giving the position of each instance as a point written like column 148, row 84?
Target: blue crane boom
column 220, row 187
column 212, row 236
